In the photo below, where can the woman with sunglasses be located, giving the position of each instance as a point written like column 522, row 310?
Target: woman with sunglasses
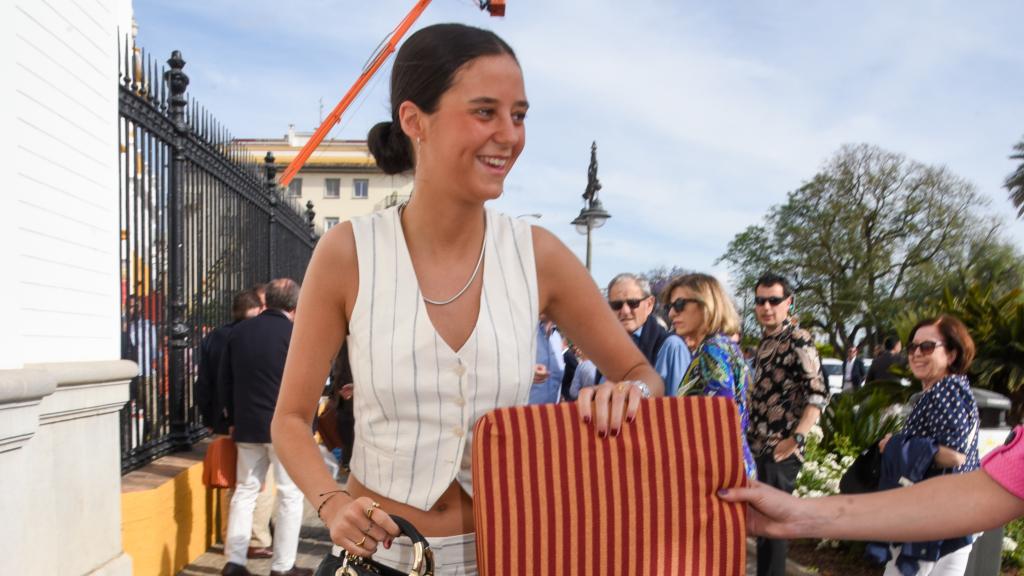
column 701, row 312
column 939, row 353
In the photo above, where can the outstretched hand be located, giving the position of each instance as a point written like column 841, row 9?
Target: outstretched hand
column 770, row 512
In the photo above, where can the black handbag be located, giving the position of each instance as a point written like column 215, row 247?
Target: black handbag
column 862, row 476
column 349, row 565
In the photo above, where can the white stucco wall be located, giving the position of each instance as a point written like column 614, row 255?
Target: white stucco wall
column 61, row 383
column 60, row 218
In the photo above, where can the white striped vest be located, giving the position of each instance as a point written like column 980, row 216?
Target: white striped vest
column 416, row 400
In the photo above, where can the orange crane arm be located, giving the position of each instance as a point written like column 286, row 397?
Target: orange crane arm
column 335, row 116
column 494, row 7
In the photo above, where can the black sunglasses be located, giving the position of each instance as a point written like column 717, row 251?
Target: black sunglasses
column 631, row 302
column 773, row 300
column 680, row 303
column 926, row 347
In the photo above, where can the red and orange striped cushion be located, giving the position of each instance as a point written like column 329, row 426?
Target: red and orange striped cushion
column 550, row 497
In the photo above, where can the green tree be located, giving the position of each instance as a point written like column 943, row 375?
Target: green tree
column 1015, row 181
column 659, row 277
column 871, row 230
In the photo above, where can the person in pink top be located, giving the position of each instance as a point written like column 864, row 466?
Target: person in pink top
column 982, row 500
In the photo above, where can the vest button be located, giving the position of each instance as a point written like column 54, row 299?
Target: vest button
column 458, row 431
column 460, row 401
column 459, row 370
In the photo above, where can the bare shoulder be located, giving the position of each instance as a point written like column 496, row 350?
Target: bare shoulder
column 548, row 250
column 561, row 277
column 334, row 269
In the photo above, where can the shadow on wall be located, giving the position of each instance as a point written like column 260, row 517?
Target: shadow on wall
column 169, row 518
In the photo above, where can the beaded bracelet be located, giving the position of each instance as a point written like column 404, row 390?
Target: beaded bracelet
column 330, row 494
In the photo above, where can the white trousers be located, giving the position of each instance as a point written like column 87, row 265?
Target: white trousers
column 954, row 564
column 253, row 462
column 453, row 555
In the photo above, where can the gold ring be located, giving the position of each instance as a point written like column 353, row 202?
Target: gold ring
column 621, row 387
column 361, row 540
column 369, row 510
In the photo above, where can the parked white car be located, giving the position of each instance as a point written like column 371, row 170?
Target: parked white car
column 834, row 371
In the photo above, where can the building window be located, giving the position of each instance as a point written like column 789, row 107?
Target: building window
column 330, row 223
column 295, row 188
column 332, row 188
column 360, row 188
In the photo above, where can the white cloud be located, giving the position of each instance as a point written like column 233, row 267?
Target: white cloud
column 704, row 114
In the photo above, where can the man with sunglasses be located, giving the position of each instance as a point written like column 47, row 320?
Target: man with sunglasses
column 630, row 297
column 786, row 399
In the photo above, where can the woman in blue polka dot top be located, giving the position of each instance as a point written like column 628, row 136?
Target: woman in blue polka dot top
column 939, row 353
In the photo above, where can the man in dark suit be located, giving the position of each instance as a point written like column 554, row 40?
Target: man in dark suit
column 880, row 366
column 250, row 378
column 853, row 370
column 246, row 304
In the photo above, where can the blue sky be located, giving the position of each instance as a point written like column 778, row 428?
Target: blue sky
column 705, row 114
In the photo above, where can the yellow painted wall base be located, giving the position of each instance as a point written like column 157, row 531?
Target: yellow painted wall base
column 166, row 526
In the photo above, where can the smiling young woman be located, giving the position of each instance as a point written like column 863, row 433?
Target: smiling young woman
column 439, row 301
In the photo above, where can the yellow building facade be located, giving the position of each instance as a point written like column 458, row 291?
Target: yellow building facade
column 341, row 178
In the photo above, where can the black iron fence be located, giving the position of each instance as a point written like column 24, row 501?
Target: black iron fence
column 200, row 220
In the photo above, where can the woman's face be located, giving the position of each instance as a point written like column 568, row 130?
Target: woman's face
column 471, row 141
column 688, row 323
column 930, row 368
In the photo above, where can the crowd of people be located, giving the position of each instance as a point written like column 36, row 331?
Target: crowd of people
column 449, row 310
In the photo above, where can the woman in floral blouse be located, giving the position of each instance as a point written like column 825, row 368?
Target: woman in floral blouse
column 701, row 312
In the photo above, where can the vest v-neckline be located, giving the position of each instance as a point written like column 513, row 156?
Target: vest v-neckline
column 406, row 257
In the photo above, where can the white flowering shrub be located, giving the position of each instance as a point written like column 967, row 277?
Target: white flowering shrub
column 1013, row 555
column 822, row 469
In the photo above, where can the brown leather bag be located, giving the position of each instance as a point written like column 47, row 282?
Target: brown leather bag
column 327, row 426
column 220, row 465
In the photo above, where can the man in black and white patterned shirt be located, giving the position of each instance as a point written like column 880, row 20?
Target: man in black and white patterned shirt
column 786, row 399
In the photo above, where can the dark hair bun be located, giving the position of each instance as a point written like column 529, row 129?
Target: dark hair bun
column 390, row 147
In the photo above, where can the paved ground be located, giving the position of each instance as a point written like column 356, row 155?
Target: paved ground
column 314, row 544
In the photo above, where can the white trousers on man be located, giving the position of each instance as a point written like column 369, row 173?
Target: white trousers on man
column 253, row 462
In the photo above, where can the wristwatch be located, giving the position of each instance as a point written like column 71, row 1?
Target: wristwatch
column 800, row 439
column 645, row 391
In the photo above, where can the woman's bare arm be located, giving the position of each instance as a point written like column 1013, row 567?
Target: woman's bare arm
column 967, row 503
column 321, row 323
column 569, row 296
column 947, row 457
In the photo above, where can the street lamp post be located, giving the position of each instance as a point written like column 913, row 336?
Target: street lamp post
column 593, row 214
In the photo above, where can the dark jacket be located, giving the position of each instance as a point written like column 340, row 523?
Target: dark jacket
column 571, row 363
column 857, row 375
column 908, row 459
column 880, row 366
column 250, row 374
column 652, row 336
column 211, row 408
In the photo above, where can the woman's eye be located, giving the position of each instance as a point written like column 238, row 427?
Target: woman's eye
column 519, row 117
column 484, row 112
